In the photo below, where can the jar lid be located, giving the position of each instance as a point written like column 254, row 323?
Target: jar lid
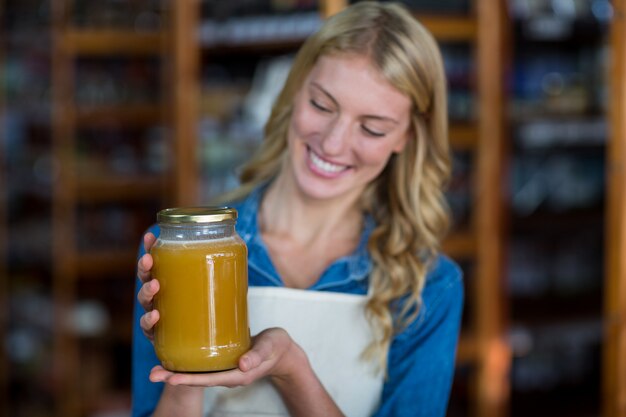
column 181, row 215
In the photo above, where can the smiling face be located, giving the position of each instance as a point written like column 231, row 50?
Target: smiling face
column 346, row 123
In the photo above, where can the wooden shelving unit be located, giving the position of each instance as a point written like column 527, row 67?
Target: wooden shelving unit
column 108, row 42
column 614, row 352
column 73, row 266
column 126, row 188
column 125, row 115
column 100, row 264
column 484, row 347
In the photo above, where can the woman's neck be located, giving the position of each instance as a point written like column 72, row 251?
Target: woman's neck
column 286, row 211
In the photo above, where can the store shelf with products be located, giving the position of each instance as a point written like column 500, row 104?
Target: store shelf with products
column 558, row 183
column 224, row 125
column 25, row 208
column 112, row 150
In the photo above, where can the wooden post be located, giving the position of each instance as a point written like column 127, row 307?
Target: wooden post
column 330, row 7
column 186, row 95
column 66, row 364
column 614, row 358
column 492, row 381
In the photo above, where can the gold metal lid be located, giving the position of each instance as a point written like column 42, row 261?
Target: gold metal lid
column 183, row 215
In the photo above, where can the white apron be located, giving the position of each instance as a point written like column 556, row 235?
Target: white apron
column 332, row 330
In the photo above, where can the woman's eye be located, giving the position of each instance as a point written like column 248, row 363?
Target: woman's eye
column 319, row 106
column 373, row 133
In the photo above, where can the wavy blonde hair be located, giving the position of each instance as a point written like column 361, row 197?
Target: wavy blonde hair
column 407, row 199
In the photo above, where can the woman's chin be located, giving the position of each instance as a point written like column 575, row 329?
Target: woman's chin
column 322, row 188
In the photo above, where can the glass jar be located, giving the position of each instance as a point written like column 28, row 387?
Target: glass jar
column 201, row 264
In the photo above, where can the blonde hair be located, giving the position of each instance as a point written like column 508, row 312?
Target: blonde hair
column 406, row 200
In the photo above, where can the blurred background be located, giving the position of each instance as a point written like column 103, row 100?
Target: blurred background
column 113, row 109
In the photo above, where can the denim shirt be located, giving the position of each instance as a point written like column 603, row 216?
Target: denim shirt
column 421, row 358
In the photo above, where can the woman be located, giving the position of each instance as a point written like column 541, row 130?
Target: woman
column 343, row 212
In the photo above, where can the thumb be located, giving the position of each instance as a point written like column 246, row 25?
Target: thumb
column 267, row 345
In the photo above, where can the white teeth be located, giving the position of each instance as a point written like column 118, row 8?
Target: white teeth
column 323, row 165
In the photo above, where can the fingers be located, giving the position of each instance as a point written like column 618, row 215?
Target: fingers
column 230, row 378
column 144, row 266
column 160, row 374
column 147, row 292
column 148, row 241
column 147, row 323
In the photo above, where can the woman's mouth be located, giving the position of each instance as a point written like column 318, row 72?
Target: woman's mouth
column 323, row 167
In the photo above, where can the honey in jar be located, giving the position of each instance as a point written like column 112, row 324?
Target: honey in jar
column 201, row 265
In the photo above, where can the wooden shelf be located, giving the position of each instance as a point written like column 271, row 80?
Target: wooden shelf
column 120, row 188
column 463, row 136
column 460, row 245
column 466, row 351
column 103, row 263
column 450, row 28
column 105, row 42
column 124, row 114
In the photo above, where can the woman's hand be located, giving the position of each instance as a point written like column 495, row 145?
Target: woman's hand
column 273, row 354
column 149, row 288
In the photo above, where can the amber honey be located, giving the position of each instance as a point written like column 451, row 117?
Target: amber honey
column 202, row 302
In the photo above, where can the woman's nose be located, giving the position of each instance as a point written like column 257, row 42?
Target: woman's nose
column 336, row 138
